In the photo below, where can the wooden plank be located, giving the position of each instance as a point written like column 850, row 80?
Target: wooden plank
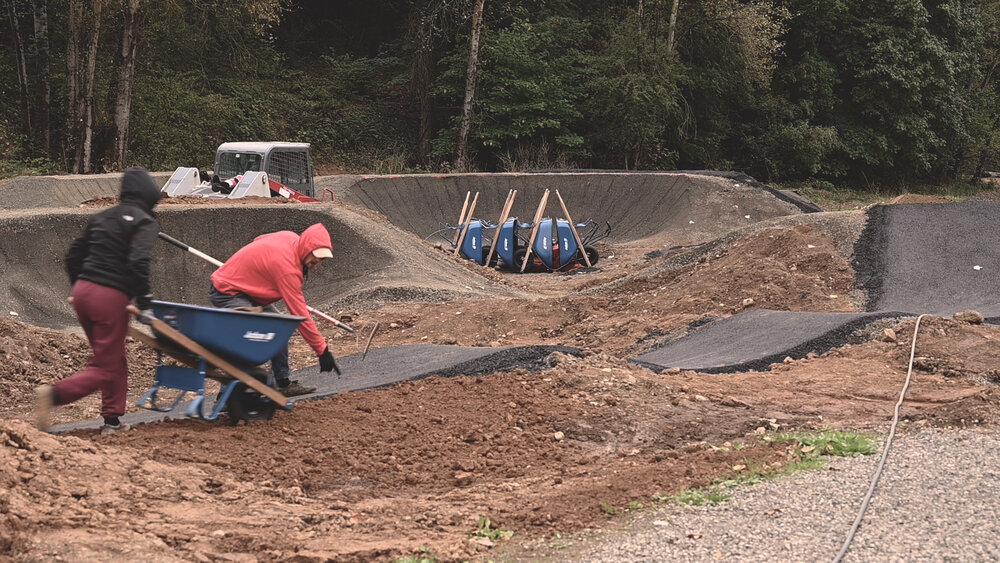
column 511, row 195
column 461, row 216
column 534, row 229
column 576, row 235
column 197, row 349
column 175, row 353
column 465, row 228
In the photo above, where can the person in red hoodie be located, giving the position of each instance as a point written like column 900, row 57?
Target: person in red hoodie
column 271, row 268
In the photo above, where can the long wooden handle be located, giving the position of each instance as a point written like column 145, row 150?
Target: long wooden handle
column 503, row 217
column 461, row 216
column 218, row 264
column 195, row 348
column 572, row 227
column 465, row 228
column 534, row 229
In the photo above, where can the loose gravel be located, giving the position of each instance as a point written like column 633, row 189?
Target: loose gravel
column 936, row 501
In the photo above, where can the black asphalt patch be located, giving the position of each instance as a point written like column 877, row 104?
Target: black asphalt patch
column 936, row 259
column 383, row 367
column 756, row 339
column 939, row 258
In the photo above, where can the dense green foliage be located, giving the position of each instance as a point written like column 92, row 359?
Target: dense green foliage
column 858, row 92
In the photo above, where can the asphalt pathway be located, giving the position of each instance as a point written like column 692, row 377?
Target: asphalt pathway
column 756, row 339
column 911, row 259
column 382, row 367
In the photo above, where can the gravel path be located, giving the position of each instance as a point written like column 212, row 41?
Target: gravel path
column 936, row 501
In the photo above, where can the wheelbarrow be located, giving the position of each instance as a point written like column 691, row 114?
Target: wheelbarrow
column 474, row 245
column 226, row 345
column 555, row 248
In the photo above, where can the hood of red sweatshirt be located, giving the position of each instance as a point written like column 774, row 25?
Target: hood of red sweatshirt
column 316, row 236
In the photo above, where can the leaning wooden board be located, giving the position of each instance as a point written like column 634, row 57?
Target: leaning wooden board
column 197, row 349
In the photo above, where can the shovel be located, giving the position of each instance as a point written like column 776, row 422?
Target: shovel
column 208, row 258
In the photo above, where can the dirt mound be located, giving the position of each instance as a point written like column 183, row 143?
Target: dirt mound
column 785, row 269
column 32, row 356
column 380, row 474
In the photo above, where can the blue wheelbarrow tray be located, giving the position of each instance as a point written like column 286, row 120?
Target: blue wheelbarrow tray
column 234, row 343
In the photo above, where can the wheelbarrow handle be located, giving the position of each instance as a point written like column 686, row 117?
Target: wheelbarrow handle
column 143, row 317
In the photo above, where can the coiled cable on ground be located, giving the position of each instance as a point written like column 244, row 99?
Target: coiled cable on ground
column 885, row 451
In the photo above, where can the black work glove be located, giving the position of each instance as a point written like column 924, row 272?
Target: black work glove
column 327, row 363
column 145, row 305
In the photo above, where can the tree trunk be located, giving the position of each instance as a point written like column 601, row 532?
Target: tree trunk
column 984, row 153
column 41, row 12
column 638, row 31
column 126, row 79
column 73, row 111
column 673, row 27
column 22, row 69
column 422, row 80
column 81, row 61
column 89, row 88
column 462, row 153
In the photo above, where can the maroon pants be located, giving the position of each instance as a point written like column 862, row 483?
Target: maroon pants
column 102, row 314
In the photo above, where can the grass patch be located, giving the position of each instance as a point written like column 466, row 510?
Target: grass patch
column 838, row 198
column 424, row 557
column 829, row 442
column 808, row 450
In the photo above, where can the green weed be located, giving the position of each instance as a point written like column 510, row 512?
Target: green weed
column 424, row 557
column 808, row 453
column 485, row 530
column 830, row 442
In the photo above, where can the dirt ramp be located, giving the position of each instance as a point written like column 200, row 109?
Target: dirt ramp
column 931, row 258
column 373, row 260
column 682, row 208
column 28, row 192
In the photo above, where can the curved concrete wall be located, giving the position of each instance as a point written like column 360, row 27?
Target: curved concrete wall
column 681, row 208
column 29, row 192
column 373, row 260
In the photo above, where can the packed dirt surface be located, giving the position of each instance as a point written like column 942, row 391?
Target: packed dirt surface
column 108, row 201
column 412, row 469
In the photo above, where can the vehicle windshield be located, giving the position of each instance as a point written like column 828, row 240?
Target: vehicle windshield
column 234, row 163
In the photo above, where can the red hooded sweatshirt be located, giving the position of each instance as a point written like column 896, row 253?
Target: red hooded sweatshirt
column 270, row 268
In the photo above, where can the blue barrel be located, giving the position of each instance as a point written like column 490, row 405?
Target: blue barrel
column 240, row 336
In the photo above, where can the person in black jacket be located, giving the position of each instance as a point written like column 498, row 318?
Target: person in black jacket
column 108, row 265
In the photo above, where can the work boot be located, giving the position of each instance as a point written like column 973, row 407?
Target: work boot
column 109, row 429
column 45, row 400
column 293, row 389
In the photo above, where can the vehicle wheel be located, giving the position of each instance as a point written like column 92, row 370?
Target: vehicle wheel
column 519, row 256
column 246, row 404
column 592, row 255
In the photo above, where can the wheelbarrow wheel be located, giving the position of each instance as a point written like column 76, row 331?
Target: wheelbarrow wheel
column 591, row 254
column 245, row 404
column 519, row 256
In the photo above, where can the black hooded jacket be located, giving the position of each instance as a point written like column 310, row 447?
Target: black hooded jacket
column 116, row 247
